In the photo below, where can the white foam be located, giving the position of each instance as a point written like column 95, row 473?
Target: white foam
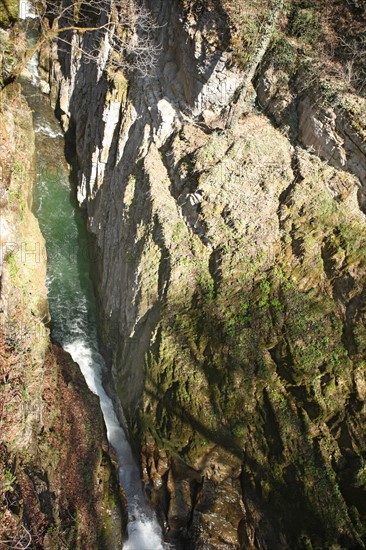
column 144, row 532
column 82, row 355
column 46, row 129
column 26, row 10
column 33, row 68
column 142, row 535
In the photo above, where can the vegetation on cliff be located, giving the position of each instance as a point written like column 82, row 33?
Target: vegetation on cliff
column 8, row 12
column 261, row 360
column 128, row 26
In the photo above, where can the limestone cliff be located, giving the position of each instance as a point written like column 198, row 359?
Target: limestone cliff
column 58, row 485
column 230, row 266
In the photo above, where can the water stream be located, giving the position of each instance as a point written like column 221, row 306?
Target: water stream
column 72, row 302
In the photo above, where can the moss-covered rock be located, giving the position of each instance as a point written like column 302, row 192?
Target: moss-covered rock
column 8, row 12
column 255, row 359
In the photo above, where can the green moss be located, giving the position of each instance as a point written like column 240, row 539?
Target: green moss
column 8, row 12
column 110, row 504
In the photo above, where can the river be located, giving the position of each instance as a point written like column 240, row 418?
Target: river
column 72, row 301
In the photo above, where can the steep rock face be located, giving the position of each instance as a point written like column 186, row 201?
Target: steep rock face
column 230, row 271
column 335, row 132
column 58, row 484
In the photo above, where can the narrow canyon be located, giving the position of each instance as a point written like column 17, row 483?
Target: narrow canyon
column 183, row 274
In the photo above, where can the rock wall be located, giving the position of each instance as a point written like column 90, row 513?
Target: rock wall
column 230, row 275
column 334, row 131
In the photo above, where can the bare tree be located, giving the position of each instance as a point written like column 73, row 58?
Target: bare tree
column 353, row 52
column 129, row 27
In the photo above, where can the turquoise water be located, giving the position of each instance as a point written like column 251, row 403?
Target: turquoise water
column 70, row 292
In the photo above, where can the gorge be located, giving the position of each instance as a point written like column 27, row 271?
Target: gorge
column 224, row 194
column 71, row 300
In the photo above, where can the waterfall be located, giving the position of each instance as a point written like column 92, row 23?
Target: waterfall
column 71, row 298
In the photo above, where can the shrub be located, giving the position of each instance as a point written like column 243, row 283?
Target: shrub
column 305, row 25
column 283, row 55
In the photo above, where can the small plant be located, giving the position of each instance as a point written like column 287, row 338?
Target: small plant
column 9, row 481
column 361, row 476
column 178, row 231
column 12, row 266
column 283, row 54
column 19, row 169
column 247, row 40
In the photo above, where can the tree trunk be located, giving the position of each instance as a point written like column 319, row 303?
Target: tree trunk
column 239, row 99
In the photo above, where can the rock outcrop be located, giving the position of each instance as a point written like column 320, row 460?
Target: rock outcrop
column 230, row 276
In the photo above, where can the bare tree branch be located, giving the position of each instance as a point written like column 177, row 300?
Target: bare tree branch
column 130, row 28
